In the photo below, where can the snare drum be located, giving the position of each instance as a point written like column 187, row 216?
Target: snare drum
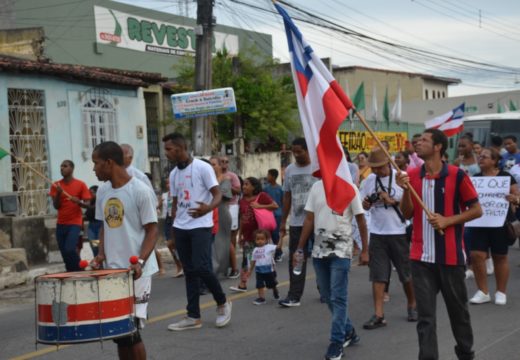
column 78, row 307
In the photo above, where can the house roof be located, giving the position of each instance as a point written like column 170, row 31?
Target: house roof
column 404, row 73
column 80, row 72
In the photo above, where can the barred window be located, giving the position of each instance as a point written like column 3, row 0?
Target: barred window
column 99, row 123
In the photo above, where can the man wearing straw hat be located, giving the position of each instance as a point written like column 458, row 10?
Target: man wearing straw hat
column 437, row 252
column 388, row 243
column 69, row 195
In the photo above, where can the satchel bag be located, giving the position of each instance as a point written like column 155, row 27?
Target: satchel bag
column 265, row 219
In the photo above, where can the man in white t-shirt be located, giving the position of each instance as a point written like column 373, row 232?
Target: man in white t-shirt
column 297, row 184
column 388, row 241
column 195, row 194
column 332, row 254
column 127, row 208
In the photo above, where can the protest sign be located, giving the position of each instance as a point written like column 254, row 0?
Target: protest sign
column 492, row 191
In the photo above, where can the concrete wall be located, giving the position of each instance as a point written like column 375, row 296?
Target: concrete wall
column 256, row 165
column 26, row 43
column 63, row 103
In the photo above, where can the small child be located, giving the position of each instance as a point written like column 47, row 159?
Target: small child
column 262, row 260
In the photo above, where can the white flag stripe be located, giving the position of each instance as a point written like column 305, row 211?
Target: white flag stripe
column 439, row 120
column 451, row 125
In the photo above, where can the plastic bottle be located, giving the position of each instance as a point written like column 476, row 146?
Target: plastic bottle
column 299, row 258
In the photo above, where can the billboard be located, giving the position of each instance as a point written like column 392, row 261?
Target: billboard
column 129, row 31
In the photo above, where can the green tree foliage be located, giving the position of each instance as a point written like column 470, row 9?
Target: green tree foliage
column 266, row 103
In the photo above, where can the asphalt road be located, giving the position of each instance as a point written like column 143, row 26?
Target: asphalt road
column 274, row 333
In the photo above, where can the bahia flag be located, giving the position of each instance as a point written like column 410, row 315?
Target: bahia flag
column 450, row 123
column 323, row 107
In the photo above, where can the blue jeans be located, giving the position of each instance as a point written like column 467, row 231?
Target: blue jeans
column 67, row 237
column 194, row 248
column 93, row 230
column 332, row 278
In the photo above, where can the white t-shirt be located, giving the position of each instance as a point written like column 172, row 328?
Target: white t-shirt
column 135, row 172
column 124, row 212
column 298, row 181
column 264, row 258
column 190, row 185
column 383, row 221
column 332, row 232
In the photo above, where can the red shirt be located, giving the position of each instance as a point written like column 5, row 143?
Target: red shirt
column 449, row 193
column 70, row 213
column 248, row 224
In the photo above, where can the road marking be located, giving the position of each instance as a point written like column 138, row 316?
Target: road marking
column 153, row 320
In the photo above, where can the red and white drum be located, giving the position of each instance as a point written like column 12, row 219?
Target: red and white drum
column 84, row 306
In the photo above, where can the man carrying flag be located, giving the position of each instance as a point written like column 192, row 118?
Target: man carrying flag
column 333, row 201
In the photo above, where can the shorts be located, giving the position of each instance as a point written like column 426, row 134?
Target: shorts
column 233, row 210
column 485, row 239
column 132, row 339
column 142, row 290
column 267, row 280
column 385, row 250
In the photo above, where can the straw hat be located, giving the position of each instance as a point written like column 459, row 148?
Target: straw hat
column 377, row 158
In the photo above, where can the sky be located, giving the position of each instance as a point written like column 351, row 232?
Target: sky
column 477, row 30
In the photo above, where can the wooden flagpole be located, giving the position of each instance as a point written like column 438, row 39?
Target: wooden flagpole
column 387, row 154
column 21, row 162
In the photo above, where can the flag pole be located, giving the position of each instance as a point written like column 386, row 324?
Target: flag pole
column 21, row 162
column 387, row 154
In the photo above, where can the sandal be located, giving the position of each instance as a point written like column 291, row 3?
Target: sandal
column 374, row 322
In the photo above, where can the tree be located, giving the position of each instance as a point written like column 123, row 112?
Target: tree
column 266, row 103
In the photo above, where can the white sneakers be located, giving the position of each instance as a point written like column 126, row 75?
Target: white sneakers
column 481, row 298
column 469, row 274
column 223, row 314
column 500, row 298
column 490, row 268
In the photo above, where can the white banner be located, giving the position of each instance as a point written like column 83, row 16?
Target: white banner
column 142, row 34
column 492, row 191
column 203, row 103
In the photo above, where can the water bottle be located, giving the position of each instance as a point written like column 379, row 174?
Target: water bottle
column 298, row 256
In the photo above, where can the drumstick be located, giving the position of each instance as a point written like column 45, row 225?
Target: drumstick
column 19, row 160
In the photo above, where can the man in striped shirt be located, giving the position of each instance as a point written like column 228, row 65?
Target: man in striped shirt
column 437, row 252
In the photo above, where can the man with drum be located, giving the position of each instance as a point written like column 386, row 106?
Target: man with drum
column 127, row 208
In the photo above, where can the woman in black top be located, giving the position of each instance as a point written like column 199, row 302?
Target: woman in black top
column 484, row 239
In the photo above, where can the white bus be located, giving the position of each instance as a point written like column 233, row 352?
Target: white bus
column 482, row 126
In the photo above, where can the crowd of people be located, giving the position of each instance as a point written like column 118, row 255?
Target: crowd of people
column 210, row 212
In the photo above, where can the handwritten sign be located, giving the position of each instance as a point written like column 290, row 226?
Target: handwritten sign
column 492, row 191
column 357, row 141
column 203, row 103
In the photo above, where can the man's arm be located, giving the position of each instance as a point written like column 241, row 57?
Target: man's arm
column 203, row 208
column 100, row 257
column 308, row 228
column 286, row 208
column 150, row 238
column 363, row 232
column 440, row 222
column 406, row 205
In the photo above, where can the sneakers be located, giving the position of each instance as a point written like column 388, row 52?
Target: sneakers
column 386, row 297
column 500, row 298
column 276, row 294
column 351, row 338
column 490, row 267
column 412, row 315
column 234, row 274
column 289, row 302
column 259, row 301
column 469, row 274
column 278, row 258
column 186, row 323
column 480, row 298
column 334, row 352
column 374, row 322
column 223, row 314
column 238, row 289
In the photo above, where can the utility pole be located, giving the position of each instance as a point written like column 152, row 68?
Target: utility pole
column 202, row 130
column 238, row 124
